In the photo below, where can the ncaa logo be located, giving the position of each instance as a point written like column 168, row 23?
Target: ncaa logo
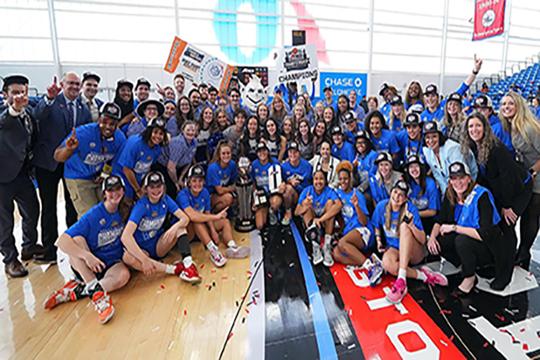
column 488, row 18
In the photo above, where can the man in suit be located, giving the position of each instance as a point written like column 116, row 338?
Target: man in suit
column 90, row 88
column 58, row 113
column 17, row 135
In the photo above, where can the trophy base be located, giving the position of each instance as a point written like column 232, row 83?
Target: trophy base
column 244, row 225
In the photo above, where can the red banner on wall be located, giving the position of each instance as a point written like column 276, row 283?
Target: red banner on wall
column 488, row 18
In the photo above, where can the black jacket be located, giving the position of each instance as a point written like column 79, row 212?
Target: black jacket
column 14, row 145
column 504, row 177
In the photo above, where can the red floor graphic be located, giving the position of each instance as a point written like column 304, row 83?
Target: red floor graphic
column 388, row 331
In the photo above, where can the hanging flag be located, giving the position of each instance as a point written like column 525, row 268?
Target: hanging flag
column 488, row 18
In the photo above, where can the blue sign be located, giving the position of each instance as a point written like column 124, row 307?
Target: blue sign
column 343, row 83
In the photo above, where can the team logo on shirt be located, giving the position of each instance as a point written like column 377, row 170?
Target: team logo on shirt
column 347, row 211
column 154, row 213
column 108, row 236
column 142, row 167
column 148, row 224
column 92, row 145
column 102, row 222
column 94, row 159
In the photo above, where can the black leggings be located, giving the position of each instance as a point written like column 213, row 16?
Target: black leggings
column 530, row 223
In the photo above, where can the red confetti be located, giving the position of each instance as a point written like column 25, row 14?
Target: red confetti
column 500, row 317
column 269, row 275
column 452, row 338
column 213, row 271
column 202, row 266
column 224, row 277
column 444, row 311
column 486, row 344
column 249, row 272
column 162, row 286
column 185, row 312
column 522, row 330
column 525, row 347
column 229, row 336
column 247, row 310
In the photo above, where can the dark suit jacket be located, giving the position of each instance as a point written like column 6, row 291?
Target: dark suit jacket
column 54, row 126
column 13, row 145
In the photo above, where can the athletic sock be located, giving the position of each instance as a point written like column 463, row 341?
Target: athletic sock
column 187, row 261
column 169, row 269
column 327, row 239
column 420, row 275
column 402, row 274
column 92, row 287
column 231, row 244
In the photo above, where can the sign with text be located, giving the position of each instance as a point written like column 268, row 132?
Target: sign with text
column 343, row 83
column 488, row 18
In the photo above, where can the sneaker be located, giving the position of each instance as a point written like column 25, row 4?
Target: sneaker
column 375, row 271
column 190, row 275
column 178, row 268
column 398, row 291
column 317, row 255
column 103, row 304
column 237, row 252
column 71, row 291
column 217, row 258
column 433, row 277
column 327, row 254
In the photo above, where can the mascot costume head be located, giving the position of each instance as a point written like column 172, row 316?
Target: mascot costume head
column 253, row 92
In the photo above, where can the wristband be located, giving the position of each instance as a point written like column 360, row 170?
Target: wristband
column 475, row 72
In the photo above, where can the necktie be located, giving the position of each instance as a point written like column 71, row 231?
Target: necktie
column 71, row 117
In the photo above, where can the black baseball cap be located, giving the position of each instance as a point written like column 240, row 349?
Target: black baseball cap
column 413, row 159
column 90, row 75
column 124, row 82
column 412, row 119
column 14, row 79
column 384, row 87
column 293, row 145
column 383, row 156
column 142, row 81
column 112, row 182
column 142, row 107
column 110, row 110
column 396, row 100
column 349, row 117
column 457, row 168
column 196, row 171
column 416, row 108
column 261, row 146
column 455, row 97
column 153, row 178
column 336, row 130
column 361, row 134
column 430, row 127
column 403, row 186
column 431, row 89
column 483, row 101
column 327, row 88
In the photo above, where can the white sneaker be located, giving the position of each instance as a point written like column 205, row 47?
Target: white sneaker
column 217, row 258
column 327, row 253
column 237, row 252
column 317, row 257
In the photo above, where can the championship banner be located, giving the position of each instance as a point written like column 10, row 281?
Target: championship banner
column 488, row 18
column 198, row 66
column 298, row 64
column 253, row 85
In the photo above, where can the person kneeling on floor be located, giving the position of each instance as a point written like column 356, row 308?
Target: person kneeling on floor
column 195, row 202
column 95, row 252
column 466, row 232
column 145, row 239
column 318, row 205
column 397, row 221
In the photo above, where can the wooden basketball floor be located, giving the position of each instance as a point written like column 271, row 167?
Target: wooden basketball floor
column 274, row 305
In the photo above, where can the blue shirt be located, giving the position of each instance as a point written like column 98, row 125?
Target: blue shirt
column 503, row 135
column 92, row 153
column 149, row 219
column 218, row 176
column 319, row 200
column 408, row 147
column 386, row 142
column 259, row 173
column 136, row 127
column 137, row 156
column 468, row 215
column 438, row 114
column 429, row 200
column 348, row 211
column 178, row 151
column 303, row 172
column 391, row 234
column 201, row 202
column 102, row 231
column 345, row 152
column 366, row 165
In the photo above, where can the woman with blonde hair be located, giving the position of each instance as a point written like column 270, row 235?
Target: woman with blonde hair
column 520, row 122
column 278, row 109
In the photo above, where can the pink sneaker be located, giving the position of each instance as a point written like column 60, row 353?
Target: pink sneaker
column 433, row 277
column 398, row 291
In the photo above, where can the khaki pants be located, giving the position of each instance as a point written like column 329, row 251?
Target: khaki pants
column 84, row 194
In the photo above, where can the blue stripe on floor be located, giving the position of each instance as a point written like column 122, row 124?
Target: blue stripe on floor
column 325, row 340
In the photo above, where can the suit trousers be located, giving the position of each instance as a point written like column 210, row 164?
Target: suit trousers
column 22, row 191
column 48, row 194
